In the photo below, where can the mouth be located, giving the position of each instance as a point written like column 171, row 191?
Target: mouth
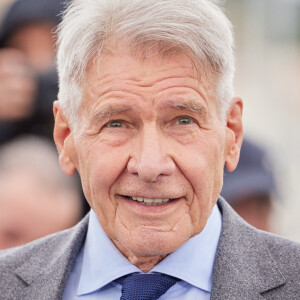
column 151, row 201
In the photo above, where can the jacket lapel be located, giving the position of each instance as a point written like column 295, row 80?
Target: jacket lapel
column 244, row 267
column 46, row 281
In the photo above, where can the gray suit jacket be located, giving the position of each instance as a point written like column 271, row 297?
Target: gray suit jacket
column 250, row 264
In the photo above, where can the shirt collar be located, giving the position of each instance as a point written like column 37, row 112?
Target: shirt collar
column 103, row 262
column 193, row 262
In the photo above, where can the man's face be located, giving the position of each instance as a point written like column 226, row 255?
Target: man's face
column 150, row 150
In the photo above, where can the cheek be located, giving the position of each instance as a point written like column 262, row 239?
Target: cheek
column 202, row 164
column 100, row 166
column 203, row 168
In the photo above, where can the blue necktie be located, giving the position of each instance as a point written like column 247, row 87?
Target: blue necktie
column 137, row 286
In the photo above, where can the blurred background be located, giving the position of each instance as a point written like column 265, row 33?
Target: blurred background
column 267, row 36
column 36, row 198
column 264, row 189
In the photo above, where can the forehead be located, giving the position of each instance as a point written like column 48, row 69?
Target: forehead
column 145, row 73
column 123, row 63
column 141, row 58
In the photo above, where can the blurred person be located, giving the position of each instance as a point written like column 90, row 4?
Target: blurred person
column 251, row 188
column 146, row 113
column 28, row 79
column 36, row 199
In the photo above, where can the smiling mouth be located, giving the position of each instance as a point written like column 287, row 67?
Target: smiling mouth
column 151, row 202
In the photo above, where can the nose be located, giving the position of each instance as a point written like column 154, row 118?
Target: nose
column 150, row 160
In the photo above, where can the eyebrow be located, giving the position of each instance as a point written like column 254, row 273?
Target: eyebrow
column 109, row 111
column 191, row 105
column 112, row 110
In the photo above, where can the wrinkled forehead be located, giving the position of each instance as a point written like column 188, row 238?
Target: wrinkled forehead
column 147, row 74
column 147, row 50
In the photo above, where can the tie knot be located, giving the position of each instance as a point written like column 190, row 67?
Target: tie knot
column 138, row 286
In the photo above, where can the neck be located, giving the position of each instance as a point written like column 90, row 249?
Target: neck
column 144, row 263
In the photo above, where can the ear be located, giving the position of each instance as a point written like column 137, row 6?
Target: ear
column 234, row 134
column 64, row 141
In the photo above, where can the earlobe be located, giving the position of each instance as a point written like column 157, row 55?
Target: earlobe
column 63, row 139
column 234, row 134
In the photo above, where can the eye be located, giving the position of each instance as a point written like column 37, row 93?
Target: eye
column 184, row 120
column 115, row 123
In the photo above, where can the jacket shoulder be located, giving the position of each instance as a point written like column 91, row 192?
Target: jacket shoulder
column 251, row 263
column 46, row 251
column 15, row 256
column 285, row 252
column 40, row 269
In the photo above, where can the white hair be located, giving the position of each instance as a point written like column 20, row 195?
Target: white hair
column 198, row 28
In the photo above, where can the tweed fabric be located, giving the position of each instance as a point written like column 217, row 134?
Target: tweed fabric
column 137, row 286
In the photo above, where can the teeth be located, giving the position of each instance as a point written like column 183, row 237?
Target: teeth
column 151, row 202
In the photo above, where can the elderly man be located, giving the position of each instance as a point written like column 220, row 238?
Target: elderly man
column 146, row 114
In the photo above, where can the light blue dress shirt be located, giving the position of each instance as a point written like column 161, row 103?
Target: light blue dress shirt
column 99, row 263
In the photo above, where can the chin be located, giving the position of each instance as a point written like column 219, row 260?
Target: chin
column 158, row 244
